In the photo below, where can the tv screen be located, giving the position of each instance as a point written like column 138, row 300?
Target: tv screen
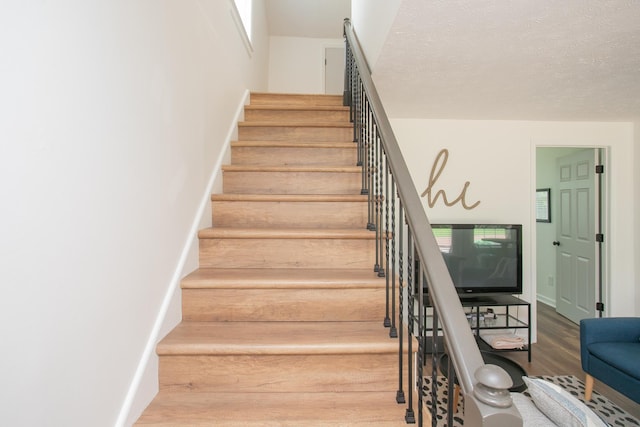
column 482, row 259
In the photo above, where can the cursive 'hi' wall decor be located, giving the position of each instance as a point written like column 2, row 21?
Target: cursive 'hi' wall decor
column 436, row 170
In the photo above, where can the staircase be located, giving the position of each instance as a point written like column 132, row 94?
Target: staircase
column 283, row 321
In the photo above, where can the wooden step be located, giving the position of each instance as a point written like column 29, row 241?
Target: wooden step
column 247, row 179
column 293, row 211
column 286, row 248
column 263, row 98
column 294, row 131
column 273, row 278
column 224, row 409
column 293, row 153
column 299, row 113
column 283, row 294
column 278, row 356
column 276, row 338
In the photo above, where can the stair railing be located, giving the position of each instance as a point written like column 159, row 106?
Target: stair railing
column 402, row 229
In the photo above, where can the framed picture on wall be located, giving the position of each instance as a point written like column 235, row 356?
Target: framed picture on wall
column 543, row 205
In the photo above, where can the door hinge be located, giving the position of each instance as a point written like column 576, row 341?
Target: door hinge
column 599, row 169
column 600, row 306
column 599, row 237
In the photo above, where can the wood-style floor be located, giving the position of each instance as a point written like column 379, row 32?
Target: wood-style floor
column 557, row 352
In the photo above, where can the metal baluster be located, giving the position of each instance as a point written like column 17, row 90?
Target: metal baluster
column 379, row 171
column 387, row 320
column 421, row 280
column 434, row 369
column 370, row 153
column 366, row 130
column 348, row 79
column 393, row 332
column 451, row 391
column 353, row 110
column 358, row 90
column 370, row 206
column 375, row 190
column 355, row 101
column 361, row 134
column 410, row 416
column 346, row 91
column 400, row 392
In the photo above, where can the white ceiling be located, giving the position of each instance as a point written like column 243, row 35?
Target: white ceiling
column 526, row 59
column 495, row 59
column 307, row 18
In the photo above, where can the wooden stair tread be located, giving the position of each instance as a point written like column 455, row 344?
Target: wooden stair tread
column 296, row 124
column 284, row 233
column 281, row 278
column 266, row 98
column 296, row 107
column 294, row 144
column 280, row 338
column 230, row 197
column 371, row 408
column 259, row 168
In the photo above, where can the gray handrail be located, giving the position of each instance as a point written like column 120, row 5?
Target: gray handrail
column 481, row 384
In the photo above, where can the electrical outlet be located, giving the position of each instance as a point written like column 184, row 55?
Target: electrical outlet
column 551, row 281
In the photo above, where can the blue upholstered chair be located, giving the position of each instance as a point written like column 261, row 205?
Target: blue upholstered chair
column 610, row 352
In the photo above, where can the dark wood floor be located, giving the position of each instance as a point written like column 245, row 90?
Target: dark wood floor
column 557, row 352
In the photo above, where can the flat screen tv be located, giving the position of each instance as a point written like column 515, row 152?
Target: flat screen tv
column 483, row 259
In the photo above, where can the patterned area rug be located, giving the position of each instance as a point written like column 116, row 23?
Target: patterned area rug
column 608, row 411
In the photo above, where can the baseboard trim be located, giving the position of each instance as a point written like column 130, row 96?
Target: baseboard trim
column 546, row 300
column 179, row 270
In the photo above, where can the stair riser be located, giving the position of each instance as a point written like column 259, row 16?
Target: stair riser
column 296, row 115
column 283, row 304
column 249, row 182
column 290, row 156
column 295, row 133
column 287, row 253
column 280, row 373
column 289, row 214
column 295, row 99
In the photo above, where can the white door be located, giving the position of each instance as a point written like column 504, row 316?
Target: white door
column 334, row 70
column 576, row 236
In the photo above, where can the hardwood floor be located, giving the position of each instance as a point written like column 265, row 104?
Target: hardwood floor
column 557, row 352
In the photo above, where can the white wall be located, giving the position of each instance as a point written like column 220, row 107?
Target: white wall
column 498, row 159
column 636, row 199
column 296, row 64
column 112, row 116
column 372, row 20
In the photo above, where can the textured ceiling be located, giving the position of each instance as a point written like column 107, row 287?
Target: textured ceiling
column 524, row 59
column 307, row 18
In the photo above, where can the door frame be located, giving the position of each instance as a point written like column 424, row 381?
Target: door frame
column 602, row 198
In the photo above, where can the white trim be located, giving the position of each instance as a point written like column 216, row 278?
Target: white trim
column 533, row 245
column 605, row 212
column 546, row 300
column 605, row 151
column 177, row 274
column 242, row 30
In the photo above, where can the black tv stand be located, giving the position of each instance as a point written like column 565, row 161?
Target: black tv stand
column 468, row 300
column 491, row 312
